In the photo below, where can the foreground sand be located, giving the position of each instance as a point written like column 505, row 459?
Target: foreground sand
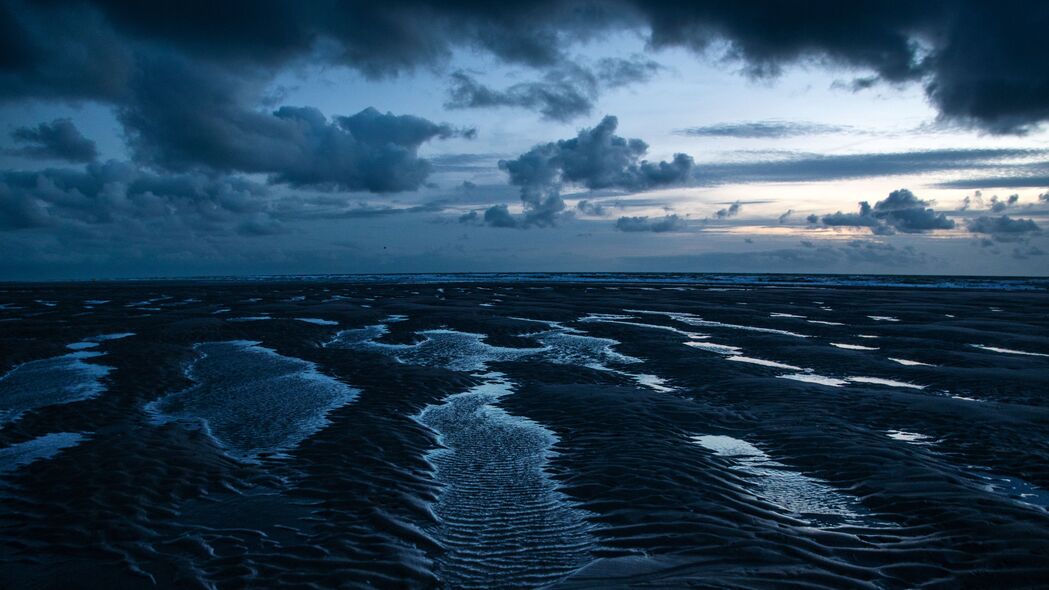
column 522, row 434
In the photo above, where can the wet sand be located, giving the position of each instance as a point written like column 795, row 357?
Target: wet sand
column 591, row 433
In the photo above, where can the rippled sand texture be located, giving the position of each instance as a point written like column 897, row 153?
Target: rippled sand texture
column 502, row 520
column 592, row 432
column 500, row 516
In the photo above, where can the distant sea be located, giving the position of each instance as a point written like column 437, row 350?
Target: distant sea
column 723, row 279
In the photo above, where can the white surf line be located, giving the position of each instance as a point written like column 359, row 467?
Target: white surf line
column 910, row 363
column 763, row 362
column 786, row 315
column 692, row 320
column 318, row 321
column 853, row 346
column 113, row 336
column 883, row 318
column 718, row 348
column 691, row 335
column 885, row 382
column 817, row 379
column 594, row 317
column 913, row 438
column 1007, row 350
column 825, row 323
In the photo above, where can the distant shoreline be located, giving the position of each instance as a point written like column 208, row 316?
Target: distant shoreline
column 1004, row 283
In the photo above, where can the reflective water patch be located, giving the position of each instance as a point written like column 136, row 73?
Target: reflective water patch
column 46, row 382
column 37, row 449
column 774, row 482
column 253, row 400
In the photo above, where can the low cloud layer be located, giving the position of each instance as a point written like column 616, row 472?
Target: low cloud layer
column 119, row 195
column 866, row 255
column 763, row 129
column 804, row 167
column 1003, row 228
column 668, row 223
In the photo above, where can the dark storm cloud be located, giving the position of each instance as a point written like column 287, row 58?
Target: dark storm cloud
column 559, row 97
column 763, row 129
column 900, row 211
column 596, row 158
column 119, row 194
column 816, row 167
column 667, row 223
column 183, row 118
column 57, row 140
column 565, row 92
column 980, row 63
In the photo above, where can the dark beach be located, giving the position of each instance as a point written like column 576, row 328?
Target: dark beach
column 574, row 432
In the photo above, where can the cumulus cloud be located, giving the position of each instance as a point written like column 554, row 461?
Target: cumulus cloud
column 900, row 211
column 999, row 205
column 668, row 223
column 500, row 216
column 783, row 218
column 731, row 211
column 596, row 158
column 57, row 140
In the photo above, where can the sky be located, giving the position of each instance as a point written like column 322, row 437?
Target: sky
column 238, row 138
